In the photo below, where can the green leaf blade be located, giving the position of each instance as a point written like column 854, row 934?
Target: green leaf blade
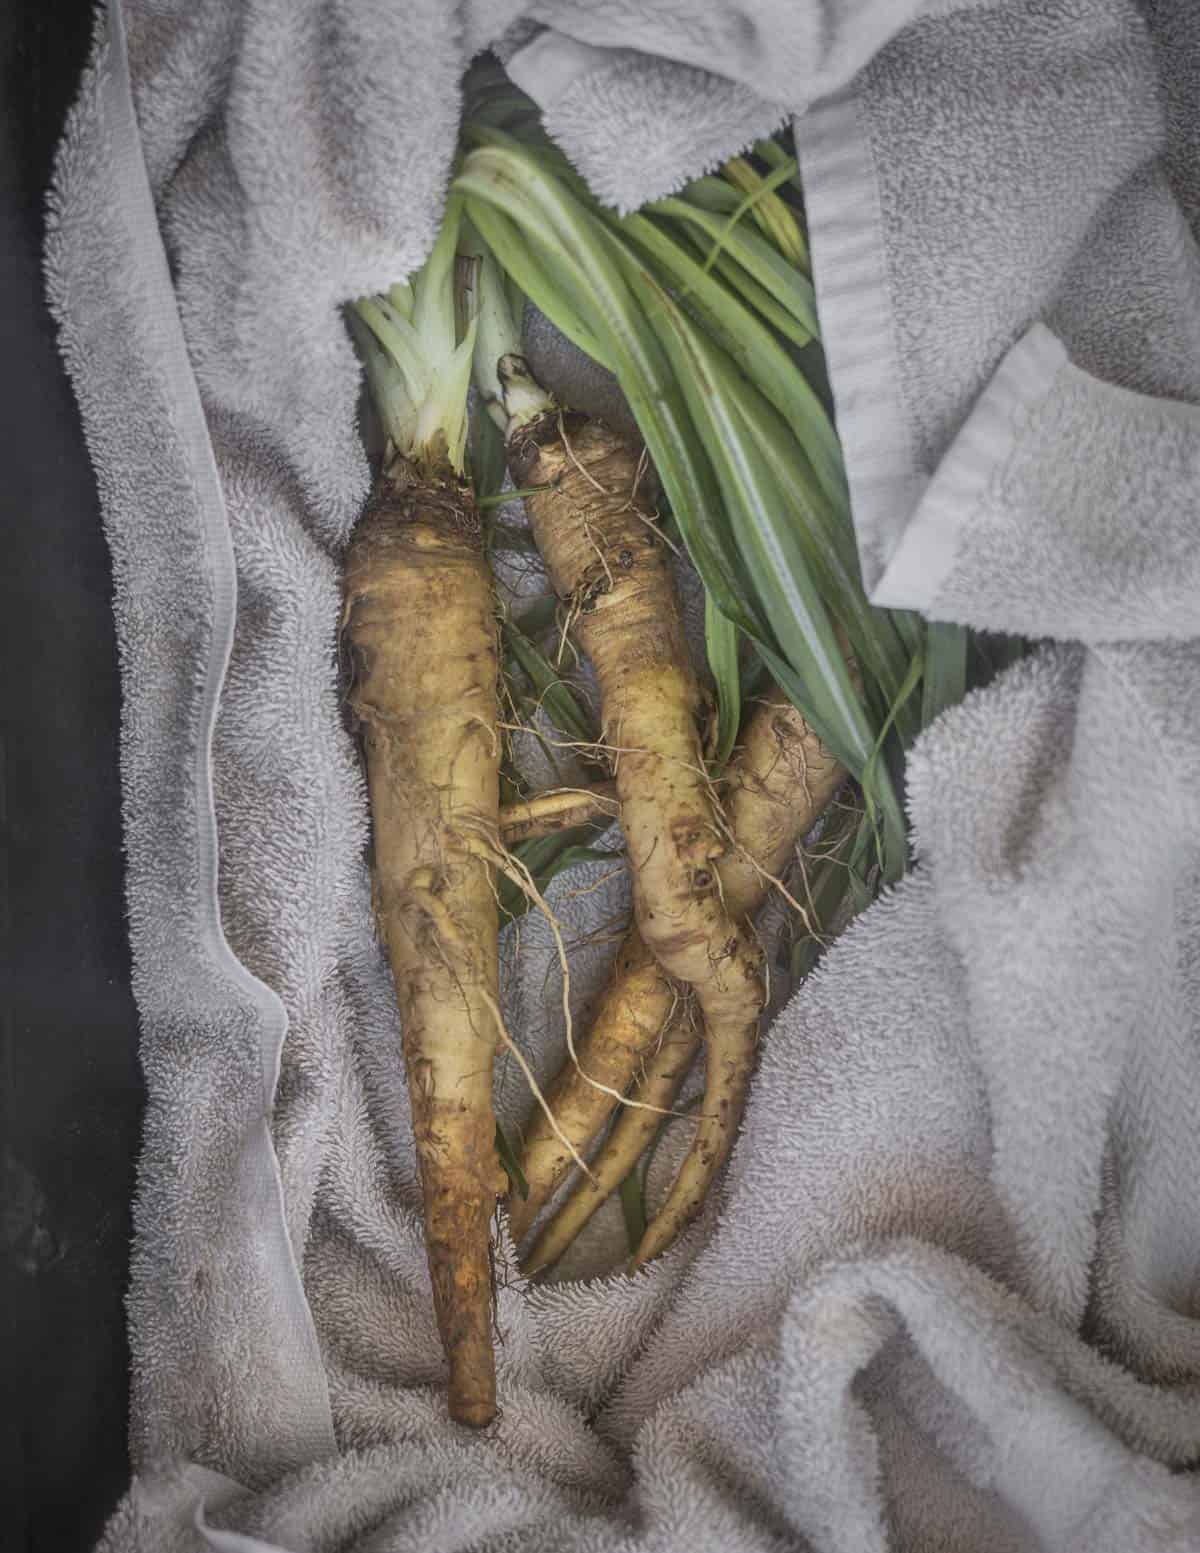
column 945, row 669
column 721, row 645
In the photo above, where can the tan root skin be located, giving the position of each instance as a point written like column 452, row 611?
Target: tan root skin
column 609, row 562
column 558, row 810
column 666, row 1068
column 781, row 780
column 630, row 1018
column 420, row 626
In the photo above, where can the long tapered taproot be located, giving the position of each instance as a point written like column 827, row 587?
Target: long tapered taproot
column 609, row 561
column 419, row 624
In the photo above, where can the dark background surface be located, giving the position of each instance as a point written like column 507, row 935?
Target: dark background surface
column 71, row 1086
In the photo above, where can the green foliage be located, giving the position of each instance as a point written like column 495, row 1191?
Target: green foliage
column 702, row 305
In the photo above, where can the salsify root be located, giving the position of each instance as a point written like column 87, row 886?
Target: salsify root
column 559, row 809
column 656, row 1091
column 419, row 623
column 606, row 558
column 632, row 1014
column 780, row 781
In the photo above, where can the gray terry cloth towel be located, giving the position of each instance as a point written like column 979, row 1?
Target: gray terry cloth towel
column 947, row 1298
